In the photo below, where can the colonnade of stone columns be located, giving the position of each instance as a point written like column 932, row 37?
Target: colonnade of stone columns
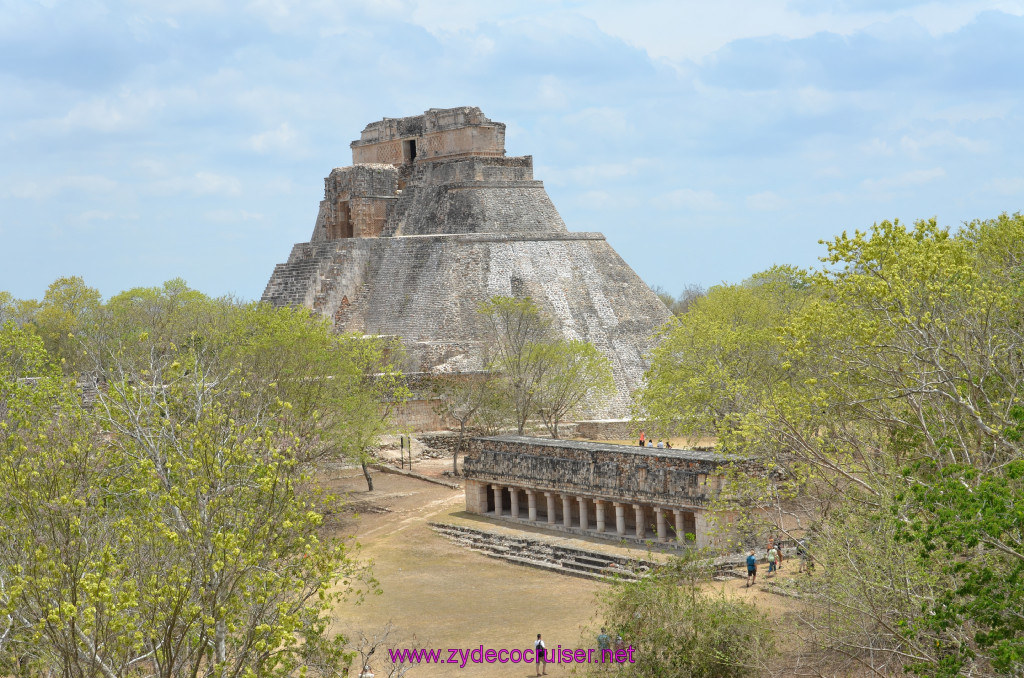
column 641, row 513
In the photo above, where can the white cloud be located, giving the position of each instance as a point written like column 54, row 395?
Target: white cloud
column 600, row 200
column 598, row 173
column 944, row 139
column 876, row 147
column 232, row 216
column 551, row 93
column 904, row 180
column 201, row 183
column 128, row 109
column 678, row 30
column 43, row 189
column 765, row 201
column 1007, row 185
column 281, row 138
column 604, row 121
column 688, row 198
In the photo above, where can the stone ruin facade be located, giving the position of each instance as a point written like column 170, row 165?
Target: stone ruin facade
column 595, row 489
column 433, row 218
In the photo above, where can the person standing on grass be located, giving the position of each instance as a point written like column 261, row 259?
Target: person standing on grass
column 604, row 642
column 751, row 569
column 772, row 558
column 538, row 650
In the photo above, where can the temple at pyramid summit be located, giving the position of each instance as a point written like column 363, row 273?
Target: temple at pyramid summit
column 433, row 218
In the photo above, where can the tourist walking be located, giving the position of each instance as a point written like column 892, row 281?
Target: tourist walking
column 778, row 551
column 538, row 650
column 772, row 558
column 751, row 569
column 642, row 438
column 604, row 642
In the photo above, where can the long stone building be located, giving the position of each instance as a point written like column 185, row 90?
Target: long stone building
column 431, row 219
column 596, row 489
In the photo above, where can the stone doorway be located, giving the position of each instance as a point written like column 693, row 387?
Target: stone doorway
column 409, row 150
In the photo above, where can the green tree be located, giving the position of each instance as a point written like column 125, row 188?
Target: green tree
column 682, row 303
column 68, row 308
column 537, row 373
column 721, row 360
column 881, row 406
column 517, row 329
column 677, row 629
column 578, row 374
column 173, row 530
column 466, row 400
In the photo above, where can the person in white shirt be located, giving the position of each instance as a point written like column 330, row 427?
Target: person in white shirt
column 538, row 651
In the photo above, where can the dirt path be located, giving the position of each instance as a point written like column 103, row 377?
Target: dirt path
column 450, row 597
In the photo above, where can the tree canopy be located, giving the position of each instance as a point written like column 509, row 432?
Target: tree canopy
column 882, row 396
column 172, row 526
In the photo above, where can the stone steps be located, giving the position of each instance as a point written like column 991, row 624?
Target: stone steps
column 545, row 555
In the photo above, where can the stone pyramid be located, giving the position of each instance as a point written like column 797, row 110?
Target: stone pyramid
column 431, row 219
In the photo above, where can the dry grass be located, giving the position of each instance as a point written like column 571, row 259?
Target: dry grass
column 452, row 597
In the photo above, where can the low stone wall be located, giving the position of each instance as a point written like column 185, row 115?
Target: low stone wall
column 442, row 440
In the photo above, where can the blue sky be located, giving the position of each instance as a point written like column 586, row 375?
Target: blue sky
column 143, row 141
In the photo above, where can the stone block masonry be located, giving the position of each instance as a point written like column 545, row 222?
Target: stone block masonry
column 614, row 491
column 432, row 220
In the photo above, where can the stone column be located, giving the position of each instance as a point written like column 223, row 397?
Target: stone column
column 531, row 502
column 620, row 518
column 641, row 527
column 700, row 527
column 599, row 510
column 497, row 499
column 551, row 507
column 584, row 519
column 659, row 516
column 514, row 491
column 476, row 496
column 680, row 529
column 566, row 510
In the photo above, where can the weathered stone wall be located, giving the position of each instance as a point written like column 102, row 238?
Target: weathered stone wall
column 475, row 195
column 438, row 133
column 427, row 290
column 447, row 441
column 356, row 202
column 668, row 478
column 418, row 414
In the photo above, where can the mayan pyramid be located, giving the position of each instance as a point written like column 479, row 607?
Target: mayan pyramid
column 431, row 219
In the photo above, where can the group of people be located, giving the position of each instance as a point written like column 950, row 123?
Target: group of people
column 645, row 442
column 773, row 555
column 604, row 642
